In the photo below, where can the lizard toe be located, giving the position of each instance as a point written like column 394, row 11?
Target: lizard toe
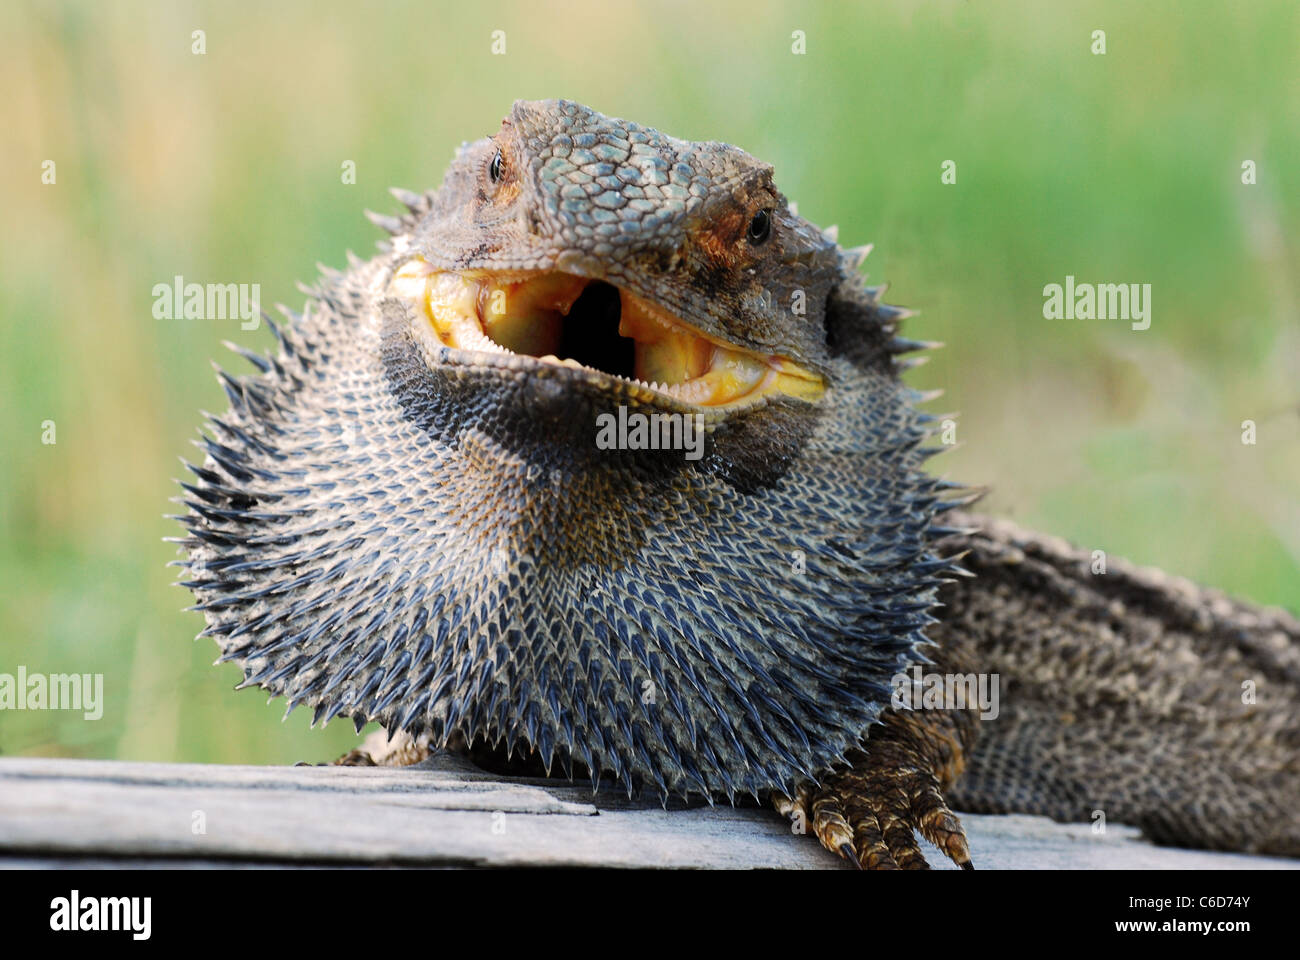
column 941, row 826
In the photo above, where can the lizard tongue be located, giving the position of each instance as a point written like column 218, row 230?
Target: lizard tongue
column 693, row 369
column 664, row 353
column 528, row 316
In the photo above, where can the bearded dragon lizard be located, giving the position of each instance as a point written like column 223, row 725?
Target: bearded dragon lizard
column 406, row 517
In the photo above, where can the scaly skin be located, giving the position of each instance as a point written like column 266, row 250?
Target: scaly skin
column 1130, row 692
column 399, row 520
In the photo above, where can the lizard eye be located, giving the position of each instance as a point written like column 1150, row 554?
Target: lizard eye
column 497, row 167
column 760, row 228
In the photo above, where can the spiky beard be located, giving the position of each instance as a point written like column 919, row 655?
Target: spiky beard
column 440, row 547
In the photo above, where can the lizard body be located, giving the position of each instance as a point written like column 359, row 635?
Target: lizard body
column 407, row 517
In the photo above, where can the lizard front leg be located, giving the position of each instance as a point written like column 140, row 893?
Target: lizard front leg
column 381, row 750
column 892, row 790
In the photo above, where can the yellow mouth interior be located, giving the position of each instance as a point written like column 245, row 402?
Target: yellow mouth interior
column 573, row 321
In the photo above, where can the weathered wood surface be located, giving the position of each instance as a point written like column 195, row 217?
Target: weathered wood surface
column 443, row 813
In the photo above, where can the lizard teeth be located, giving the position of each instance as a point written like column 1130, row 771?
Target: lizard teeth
column 558, row 361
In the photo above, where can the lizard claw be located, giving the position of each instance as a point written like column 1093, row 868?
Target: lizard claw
column 872, row 819
column 355, row 758
column 872, row 813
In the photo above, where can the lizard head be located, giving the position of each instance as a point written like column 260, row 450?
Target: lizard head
column 659, row 270
column 407, row 515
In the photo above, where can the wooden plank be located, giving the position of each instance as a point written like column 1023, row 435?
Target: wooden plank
column 446, row 813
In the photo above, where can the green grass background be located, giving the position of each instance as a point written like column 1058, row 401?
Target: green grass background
column 226, row 168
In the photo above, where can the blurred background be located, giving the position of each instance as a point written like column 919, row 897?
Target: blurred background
column 226, row 167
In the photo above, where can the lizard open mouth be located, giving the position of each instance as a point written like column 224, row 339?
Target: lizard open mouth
column 573, row 321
